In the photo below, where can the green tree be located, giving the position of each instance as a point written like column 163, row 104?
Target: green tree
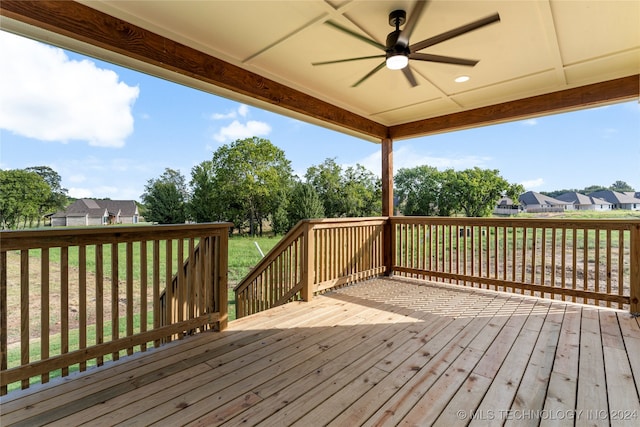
column 304, row 203
column 22, row 193
column 621, row 187
column 474, row 192
column 362, row 192
column 57, row 199
column 353, row 192
column 592, row 189
column 165, row 198
column 249, row 178
column 326, row 180
column 418, row 190
column 202, row 204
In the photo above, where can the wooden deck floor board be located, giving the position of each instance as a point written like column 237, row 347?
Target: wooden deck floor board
column 230, row 377
column 383, row 352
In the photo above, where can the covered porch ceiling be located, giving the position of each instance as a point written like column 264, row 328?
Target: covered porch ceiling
column 542, row 56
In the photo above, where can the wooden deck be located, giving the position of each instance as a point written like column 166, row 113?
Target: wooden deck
column 382, row 352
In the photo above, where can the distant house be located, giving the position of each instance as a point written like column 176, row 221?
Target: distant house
column 506, row 206
column 536, row 202
column 85, row 212
column 618, row 200
column 582, row 202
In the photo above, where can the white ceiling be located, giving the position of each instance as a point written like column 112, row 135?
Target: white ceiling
column 538, row 47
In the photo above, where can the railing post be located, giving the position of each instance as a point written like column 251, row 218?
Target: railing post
column 387, row 205
column 308, row 273
column 634, row 279
column 223, row 273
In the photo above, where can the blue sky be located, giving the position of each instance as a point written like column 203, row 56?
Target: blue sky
column 107, row 130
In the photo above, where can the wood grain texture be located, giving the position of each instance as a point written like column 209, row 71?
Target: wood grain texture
column 617, row 90
column 381, row 352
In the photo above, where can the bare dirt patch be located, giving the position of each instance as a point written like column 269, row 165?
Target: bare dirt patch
column 54, row 300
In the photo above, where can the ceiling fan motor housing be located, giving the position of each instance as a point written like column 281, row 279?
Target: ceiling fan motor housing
column 396, row 19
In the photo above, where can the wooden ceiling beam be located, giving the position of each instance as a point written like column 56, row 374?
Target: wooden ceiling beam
column 622, row 89
column 82, row 23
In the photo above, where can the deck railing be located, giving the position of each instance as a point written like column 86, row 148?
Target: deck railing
column 314, row 256
column 73, row 297
column 587, row 261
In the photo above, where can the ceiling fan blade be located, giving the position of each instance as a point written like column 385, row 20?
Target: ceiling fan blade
column 356, row 35
column 443, row 59
column 369, row 74
column 416, row 13
column 337, row 61
column 409, row 75
column 455, row 32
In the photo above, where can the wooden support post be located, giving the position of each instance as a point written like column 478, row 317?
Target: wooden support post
column 634, row 279
column 387, row 203
column 223, row 274
column 308, row 272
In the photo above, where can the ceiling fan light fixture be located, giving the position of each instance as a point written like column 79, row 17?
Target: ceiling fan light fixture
column 397, row 62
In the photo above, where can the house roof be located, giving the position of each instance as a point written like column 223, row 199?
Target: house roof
column 581, row 199
column 615, row 197
column 125, row 207
column 541, row 57
column 98, row 208
column 533, row 198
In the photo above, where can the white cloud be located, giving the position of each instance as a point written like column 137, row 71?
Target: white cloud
column 220, row 116
column 80, row 193
column 532, row 183
column 237, row 130
column 242, row 111
column 47, row 96
column 530, row 122
column 407, row 157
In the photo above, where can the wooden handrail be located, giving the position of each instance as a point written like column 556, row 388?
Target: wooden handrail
column 553, row 258
column 582, row 260
column 316, row 255
column 136, row 278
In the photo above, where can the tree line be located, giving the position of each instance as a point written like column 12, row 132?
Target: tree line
column 250, row 183
column 27, row 195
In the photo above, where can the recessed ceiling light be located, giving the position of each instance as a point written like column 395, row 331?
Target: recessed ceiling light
column 461, row 79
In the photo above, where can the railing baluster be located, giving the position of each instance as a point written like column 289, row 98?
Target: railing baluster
column 44, row 309
column 596, row 264
column 24, row 311
column 552, row 279
column 143, row 290
column 99, row 299
column 585, row 262
column 115, row 298
column 4, row 320
column 64, row 304
column 129, row 291
column 156, row 290
column 82, row 302
column 621, row 250
column 563, row 260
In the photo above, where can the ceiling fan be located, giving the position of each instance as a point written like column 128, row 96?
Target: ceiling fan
column 398, row 51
